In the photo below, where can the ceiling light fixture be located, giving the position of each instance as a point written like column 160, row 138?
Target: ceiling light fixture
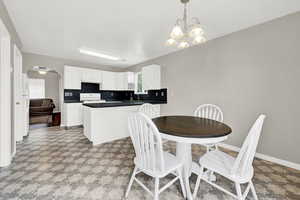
column 41, row 70
column 95, row 53
column 184, row 35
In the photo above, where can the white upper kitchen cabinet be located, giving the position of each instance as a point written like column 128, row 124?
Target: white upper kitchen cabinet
column 72, row 77
column 108, row 80
column 129, row 80
column 151, row 77
column 120, row 81
column 125, row 81
column 91, row 76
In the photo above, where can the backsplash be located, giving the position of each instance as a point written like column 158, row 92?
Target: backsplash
column 72, row 95
column 159, row 95
column 117, row 95
column 113, row 95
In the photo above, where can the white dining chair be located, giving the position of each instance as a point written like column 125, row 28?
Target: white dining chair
column 150, row 157
column 149, row 110
column 239, row 169
column 209, row 111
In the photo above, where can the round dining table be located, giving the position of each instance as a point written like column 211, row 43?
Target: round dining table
column 188, row 130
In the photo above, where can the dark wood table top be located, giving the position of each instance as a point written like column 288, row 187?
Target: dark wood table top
column 191, row 127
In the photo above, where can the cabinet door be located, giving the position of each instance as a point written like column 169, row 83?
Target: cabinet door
column 100, row 76
column 74, row 115
column 151, row 77
column 91, row 76
column 95, row 76
column 129, row 80
column 72, row 77
column 86, row 75
column 118, row 81
column 121, row 81
column 108, row 80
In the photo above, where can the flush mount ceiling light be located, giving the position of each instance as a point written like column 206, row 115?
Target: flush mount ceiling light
column 41, row 70
column 185, row 35
column 95, row 53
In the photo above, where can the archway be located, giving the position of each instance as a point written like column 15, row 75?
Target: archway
column 45, row 98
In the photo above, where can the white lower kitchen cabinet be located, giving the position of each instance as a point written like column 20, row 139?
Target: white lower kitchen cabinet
column 73, row 114
column 106, row 124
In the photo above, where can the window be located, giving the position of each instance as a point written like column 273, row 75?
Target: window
column 36, row 88
column 139, row 82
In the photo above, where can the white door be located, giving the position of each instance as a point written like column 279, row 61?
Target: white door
column 18, row 96
column 6, row 142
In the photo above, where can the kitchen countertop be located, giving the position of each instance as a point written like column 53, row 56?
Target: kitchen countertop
column 72, row 101
column 122, row 103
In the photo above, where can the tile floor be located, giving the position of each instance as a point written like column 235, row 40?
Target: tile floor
column 54, row 163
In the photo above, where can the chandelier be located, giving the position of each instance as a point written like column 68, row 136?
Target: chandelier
column 185, row 35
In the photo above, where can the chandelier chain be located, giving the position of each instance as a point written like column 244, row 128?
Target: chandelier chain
column 185, row 17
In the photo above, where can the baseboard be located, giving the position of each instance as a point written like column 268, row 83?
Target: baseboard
column 265, row 157
column 72, row 127
column 95, row 143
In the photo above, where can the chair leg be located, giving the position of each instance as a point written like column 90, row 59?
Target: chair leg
column 238, row 191
column 216, row 147
column 207, row 149
column 198, row 182
column 130, row 182
column 211, row 177
column 253, row 190
column 181, row 182
column 156, row 189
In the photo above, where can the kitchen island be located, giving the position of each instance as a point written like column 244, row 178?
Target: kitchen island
column 105, row 122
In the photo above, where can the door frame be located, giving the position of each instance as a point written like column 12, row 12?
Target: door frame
column 17, row 103
column 5, row 97
column 18, row 119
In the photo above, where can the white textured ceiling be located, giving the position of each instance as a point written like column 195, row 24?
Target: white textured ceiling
column 135, row 30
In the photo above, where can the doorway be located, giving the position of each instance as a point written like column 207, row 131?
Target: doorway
column 44, row 95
